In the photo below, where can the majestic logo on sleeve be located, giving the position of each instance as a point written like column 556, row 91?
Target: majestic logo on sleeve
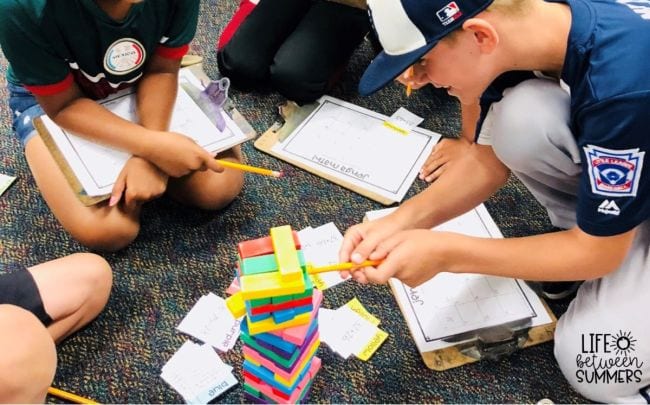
column 614, row 173
column 124, row 56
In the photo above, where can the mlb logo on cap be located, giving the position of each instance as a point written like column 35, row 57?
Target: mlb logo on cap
column 449, row 13
column 407, row 29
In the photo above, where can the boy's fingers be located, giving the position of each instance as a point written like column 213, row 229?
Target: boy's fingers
column 351, row 239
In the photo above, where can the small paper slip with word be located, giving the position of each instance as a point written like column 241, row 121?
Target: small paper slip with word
column 351, row 329
column 211, row 322
column 197, row 373
column 403, row 121
column 321, row 248
column 5, row 182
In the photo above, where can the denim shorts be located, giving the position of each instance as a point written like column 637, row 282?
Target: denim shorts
column 24, row 108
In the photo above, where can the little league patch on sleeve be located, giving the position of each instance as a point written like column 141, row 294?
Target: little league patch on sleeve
column 614, row 173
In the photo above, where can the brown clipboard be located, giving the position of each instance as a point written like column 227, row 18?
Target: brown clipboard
column 68, row 173
column 293, row 115
column 456, row 356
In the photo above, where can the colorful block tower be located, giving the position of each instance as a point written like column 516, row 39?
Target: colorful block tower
column 280, row 333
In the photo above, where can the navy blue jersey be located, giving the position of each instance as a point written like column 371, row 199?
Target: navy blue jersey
column 609, row 81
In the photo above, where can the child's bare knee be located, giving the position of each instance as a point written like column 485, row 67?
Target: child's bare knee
column 223, row 195
column 98, row 279
column 109, row 235
column 28, row 368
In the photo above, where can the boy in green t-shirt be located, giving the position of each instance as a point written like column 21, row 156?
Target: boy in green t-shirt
column 63, row 55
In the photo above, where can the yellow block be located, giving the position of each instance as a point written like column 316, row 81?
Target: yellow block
column 235, row 304
column 268, row 324
column 285, row 253
column 265, row 285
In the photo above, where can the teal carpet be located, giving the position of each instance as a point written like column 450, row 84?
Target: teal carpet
column 182, row 254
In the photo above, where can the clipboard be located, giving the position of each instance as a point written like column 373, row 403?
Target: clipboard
column 488, row 343
column 73, row 181
column 293, row 115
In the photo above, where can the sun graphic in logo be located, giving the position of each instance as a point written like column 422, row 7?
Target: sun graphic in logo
column 623, row 343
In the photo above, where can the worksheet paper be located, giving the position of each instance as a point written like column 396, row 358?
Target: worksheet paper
column 352, row 143
column 97, row 166
column 451, row 304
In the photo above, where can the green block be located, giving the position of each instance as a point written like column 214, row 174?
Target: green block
column 258, row 264
column 282, row 299
column 258, row 302
column 265, row 264
column 248, row 388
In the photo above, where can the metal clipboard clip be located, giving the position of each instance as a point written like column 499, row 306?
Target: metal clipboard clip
column 495, row 342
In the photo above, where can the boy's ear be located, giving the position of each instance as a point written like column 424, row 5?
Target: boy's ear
column 484, row 34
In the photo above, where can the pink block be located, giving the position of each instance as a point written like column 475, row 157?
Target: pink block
column 260, row 359
column 234, row 287
column 297, row 334
column 268, row 391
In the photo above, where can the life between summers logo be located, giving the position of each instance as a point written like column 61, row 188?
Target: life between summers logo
column 608, row 358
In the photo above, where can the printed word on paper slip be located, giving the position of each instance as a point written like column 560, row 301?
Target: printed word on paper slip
column 211, row 322
column 351, row 329
column 197, row 373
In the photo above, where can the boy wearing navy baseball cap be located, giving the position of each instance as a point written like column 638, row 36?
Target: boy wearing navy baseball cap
column 555, row 95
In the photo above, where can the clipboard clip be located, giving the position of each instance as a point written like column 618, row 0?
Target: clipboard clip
column 293, row 115
column 496, row 342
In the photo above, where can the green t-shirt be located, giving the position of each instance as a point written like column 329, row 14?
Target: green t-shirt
column 50, row 43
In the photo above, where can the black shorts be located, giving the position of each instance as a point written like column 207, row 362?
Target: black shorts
column 17, row 287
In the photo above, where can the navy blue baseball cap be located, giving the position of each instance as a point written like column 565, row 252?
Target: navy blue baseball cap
column 407, row 29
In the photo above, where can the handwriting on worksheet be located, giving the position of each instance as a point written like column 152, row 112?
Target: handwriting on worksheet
column 352, row 144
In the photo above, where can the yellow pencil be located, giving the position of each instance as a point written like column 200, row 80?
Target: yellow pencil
column 69, row 397
column 409, row 76
column 251, row 169
column 342, row 266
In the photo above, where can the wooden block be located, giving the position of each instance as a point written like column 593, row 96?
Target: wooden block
column 297, row 394
column 297, row 334
column 260, row 309
column 258, row 264
column 269, row 325
column 281, row 374
column 261, row 246
column 265, row 285
column 286, row 253
column 235, row 304
column 265, row 264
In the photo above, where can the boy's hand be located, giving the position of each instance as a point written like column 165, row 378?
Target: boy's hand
column 139, row 182
column 412, row 77
column 178, row 155
column 445, row 152
column 360, row 241
column 411, row 256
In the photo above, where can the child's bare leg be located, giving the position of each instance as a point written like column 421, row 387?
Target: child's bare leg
column 210, row 190
column 74, row 289
column 98, row 226
column 28, row 360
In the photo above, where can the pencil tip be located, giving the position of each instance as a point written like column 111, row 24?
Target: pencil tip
column 279, row 174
